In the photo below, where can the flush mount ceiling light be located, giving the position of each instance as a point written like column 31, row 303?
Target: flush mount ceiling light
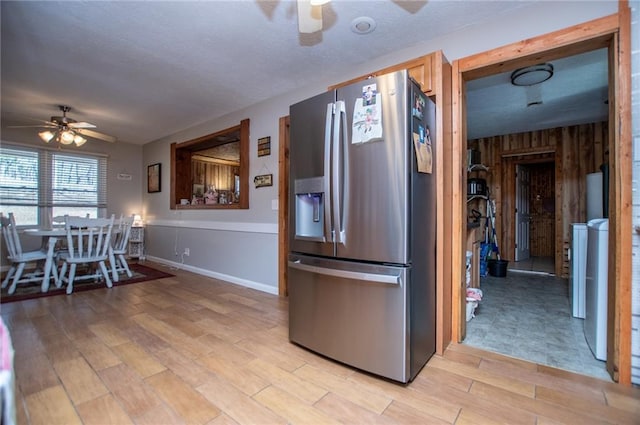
column 363, row 25
column 532, row 75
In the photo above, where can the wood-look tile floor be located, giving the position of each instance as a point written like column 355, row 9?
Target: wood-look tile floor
column 194, row 350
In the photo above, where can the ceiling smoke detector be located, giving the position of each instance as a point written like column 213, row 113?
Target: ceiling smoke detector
column 363, row 25
column 532, row 75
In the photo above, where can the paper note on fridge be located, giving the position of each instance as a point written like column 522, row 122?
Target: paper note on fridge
column 367, row 120
column 423, row 154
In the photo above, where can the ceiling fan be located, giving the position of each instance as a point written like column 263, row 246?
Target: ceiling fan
column 66, row 130
column 310, row 15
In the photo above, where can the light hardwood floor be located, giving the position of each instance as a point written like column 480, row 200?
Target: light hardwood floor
column 194, row 350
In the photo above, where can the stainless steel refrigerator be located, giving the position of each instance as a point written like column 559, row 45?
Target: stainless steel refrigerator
column 361, row 266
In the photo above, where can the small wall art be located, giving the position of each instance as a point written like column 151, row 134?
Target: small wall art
column 264, row 146
column 263, row 180
column 153, row 178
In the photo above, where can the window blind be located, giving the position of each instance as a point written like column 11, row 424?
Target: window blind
column 73, row 180
column 19, row 170
column 46, row 180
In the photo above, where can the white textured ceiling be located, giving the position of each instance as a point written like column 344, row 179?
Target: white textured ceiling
column 144, row 70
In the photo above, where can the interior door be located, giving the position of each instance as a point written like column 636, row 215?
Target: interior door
column 522, row 213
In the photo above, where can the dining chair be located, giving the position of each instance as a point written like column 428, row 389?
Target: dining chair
column 59, row 219
column 20, row 258
column 88, row 242
column 119, row 246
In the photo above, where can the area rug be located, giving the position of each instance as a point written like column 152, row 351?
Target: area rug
column 26, row 291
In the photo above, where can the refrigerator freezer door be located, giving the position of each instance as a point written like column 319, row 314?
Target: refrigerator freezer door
column 351, row 312
column 375, row 175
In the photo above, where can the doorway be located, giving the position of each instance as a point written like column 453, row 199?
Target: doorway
column 535, row 218
column 547, row 209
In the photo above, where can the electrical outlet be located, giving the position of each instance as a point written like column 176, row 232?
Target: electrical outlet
column 186, row 252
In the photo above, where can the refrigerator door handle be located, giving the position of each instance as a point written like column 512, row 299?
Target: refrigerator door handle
column 344, row 193
column 346, row 274
column 327, row 174
column 340, row 112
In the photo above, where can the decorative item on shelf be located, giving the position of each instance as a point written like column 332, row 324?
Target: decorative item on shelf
column 211, row 197
column 223, row 198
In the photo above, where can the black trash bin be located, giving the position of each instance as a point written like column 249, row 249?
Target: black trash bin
column 498, row 268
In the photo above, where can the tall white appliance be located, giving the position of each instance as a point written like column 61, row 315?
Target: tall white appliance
column 578, row 268
column 361, row 267
column 595, row 321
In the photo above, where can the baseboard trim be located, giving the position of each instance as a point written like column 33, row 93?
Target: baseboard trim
column 221, row 276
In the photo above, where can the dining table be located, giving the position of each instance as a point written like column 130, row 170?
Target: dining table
column 52, row 235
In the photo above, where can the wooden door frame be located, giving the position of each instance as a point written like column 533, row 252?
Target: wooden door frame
column 612, row 32
column 283, row 205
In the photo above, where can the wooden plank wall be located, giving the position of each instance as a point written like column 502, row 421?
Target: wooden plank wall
column 221, row 176
column 575, row 150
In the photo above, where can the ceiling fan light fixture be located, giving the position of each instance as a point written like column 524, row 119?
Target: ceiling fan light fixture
column 79, row 140
column 318, row 2
column 66, row 137
column 532, row 75
column 46, row 136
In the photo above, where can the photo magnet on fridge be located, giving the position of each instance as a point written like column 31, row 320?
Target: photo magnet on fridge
column 418, row 106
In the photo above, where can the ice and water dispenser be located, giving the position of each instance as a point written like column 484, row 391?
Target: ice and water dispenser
column 309, row 206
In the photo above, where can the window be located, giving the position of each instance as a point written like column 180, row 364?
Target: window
column 212, row 172
column 38, row 184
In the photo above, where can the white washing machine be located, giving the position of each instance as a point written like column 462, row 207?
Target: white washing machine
column 578, row 268
column 595, row 320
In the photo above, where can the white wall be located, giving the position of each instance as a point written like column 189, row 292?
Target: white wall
column 241, row 245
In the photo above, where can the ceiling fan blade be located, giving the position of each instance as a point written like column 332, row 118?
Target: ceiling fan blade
column 309, row 17
column 81, row 124
column 32, row 126
column 95, row 135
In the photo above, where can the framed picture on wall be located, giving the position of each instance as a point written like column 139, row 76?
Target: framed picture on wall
column 153, row 178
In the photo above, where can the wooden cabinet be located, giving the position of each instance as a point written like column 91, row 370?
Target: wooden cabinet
column 420, row 69
column 136, row 242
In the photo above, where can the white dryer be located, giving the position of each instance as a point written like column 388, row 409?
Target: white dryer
column 595, row 321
